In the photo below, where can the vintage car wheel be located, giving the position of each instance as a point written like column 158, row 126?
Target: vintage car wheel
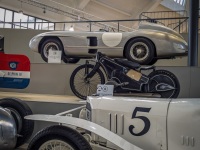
column 19, row 110
column 59, row 138
column 140, row 50
column 83, row 88
column 164, row 76
column 154, row 60
column 51, row 43
column 70, row 60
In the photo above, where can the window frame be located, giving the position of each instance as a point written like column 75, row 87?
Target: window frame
column 35, row 18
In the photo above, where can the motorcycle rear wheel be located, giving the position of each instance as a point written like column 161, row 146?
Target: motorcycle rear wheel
column 81, row 87
column 164, row 76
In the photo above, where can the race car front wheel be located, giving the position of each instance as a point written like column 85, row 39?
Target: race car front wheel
column 54, row 44
column 49, row 44
column 140, row 50
column 59, row 138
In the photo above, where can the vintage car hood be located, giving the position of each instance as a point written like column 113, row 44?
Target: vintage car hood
column 158, row 27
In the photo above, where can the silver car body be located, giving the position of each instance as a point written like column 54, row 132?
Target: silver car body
column 77, row 44
column 8, row 131
column 138, row 123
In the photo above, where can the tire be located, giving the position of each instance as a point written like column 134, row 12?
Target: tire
column 164, row 76
column 140, row 50
column 19, row 110
column 55, row 135
column 154, row 60
column 50, row 43
column 69, row 60
column 79, row 86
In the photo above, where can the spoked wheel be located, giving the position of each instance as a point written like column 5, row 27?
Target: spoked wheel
column 166, row 77
column 82, row 87
column 140, row 50
column 58, row 138
column 56, row 145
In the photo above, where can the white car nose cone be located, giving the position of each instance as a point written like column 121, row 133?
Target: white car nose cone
column 111, row 39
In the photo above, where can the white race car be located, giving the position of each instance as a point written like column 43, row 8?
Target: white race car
column 115, row 123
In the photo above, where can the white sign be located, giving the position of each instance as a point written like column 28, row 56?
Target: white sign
column 54, row 56
column 105, row 90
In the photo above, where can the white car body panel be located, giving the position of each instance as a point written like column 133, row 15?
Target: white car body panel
column 122, row 108
column 183, row 125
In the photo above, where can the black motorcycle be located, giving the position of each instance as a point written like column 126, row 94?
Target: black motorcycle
column 126, row 77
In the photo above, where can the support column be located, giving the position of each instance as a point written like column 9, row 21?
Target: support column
column 193, row 33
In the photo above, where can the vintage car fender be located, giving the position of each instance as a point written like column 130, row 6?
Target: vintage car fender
column 87, row 125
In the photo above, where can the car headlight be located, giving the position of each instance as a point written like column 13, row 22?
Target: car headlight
column 179, row 46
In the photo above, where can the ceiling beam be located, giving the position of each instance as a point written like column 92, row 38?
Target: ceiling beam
column 115, row 9
column 150, row 7
column 83, row 4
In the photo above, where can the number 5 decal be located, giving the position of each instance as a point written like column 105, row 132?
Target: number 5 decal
column 146, row 121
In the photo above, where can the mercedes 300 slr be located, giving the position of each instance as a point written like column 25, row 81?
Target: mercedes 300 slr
column 144, row 45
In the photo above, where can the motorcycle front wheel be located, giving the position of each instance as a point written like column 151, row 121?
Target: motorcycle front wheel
column 82, row 87
column 164, row 76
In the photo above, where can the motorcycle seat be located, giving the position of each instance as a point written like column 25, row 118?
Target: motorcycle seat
column 126, row 63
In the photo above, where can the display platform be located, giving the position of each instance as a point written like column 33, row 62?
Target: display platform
column 29, row 97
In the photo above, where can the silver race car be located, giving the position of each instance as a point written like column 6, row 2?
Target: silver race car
column 144, row 45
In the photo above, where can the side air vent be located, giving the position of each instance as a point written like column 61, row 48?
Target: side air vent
column 92, row 41
column 188, row 141
column 116, row 123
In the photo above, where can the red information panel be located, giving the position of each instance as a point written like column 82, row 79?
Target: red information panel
column 14, row 71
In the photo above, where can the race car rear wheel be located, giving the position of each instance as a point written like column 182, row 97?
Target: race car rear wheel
column 19, row 109
column 85, row 87
column 140, row 50
column 49, row 44
column 59, row 138
column 69, row 60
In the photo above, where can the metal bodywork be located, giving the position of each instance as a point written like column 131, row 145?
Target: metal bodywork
column 167, row 42
column 8, row 132
column 150, row 124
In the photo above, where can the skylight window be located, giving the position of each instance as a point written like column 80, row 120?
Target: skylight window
column 180, row 2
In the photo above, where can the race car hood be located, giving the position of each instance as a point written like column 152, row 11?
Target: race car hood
column 154, row 26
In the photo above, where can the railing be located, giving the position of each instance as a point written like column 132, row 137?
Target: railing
column 107, row 25
column 177, row 21
column 179, row 24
